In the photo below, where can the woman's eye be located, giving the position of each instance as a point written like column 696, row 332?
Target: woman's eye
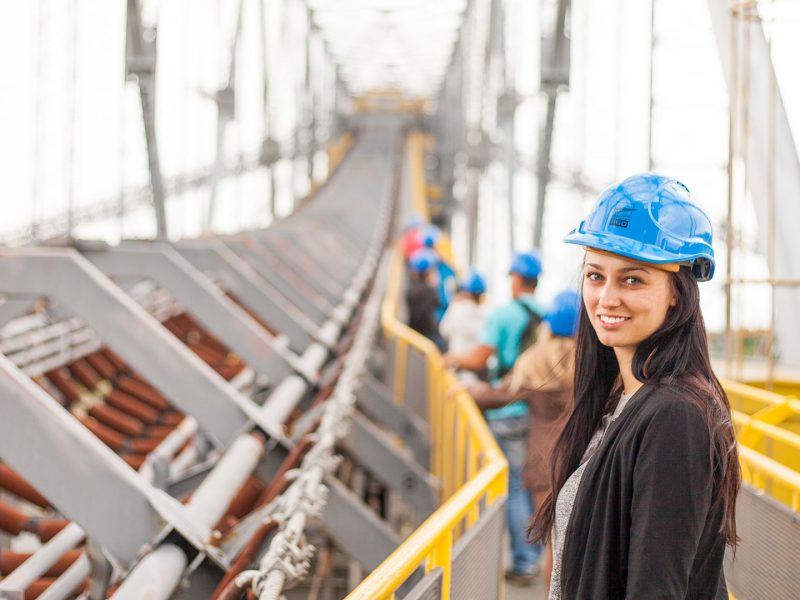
column 591, row 276
column 632, row 280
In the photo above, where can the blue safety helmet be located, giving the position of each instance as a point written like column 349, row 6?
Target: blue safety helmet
column 527, row 264
column 472, row 282
column 653, row 219
column 414, row 222
column 423, row 260
column 562, row 317
column 429, row 236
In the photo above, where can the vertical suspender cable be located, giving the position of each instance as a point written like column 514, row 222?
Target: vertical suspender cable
column 71, row 97
column 38, row 172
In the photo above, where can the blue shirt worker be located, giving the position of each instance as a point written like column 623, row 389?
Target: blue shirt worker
column 504, row 336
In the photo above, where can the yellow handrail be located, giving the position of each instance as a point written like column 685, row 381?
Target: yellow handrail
column 777, row 480
column 769, row 454
column 466, row 459
column 464, row 455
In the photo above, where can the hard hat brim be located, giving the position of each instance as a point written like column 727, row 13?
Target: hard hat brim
column 641, row 252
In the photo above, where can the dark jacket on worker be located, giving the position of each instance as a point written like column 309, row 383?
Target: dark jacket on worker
column 422, row 301
column 643, row 525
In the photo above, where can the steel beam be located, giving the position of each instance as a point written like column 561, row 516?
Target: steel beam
column 316, row 274
column 293, row 287
column 554, row 77
column 141, row 62
column 71, row 280
column 251, row 288
column 13, row 307
column 80, row 474
column 355, row 528
column 226, row 320
column 393, row 466
column 375, row 400
column 318, row 237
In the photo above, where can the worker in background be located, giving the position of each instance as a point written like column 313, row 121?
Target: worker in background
column 462, row 323
column 503, row 336
column 429, row 237
column 506, row 326
column 422, row 299
column 542, row 378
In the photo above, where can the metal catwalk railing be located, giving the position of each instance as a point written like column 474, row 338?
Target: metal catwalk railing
column 769, row 452
column 465, row 458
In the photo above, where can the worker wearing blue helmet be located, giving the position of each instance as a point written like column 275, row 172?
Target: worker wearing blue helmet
column 446, row 275
column 422, row 299
column 503, row 334
column 462, row 323
column 508, row 331
column 562, row 316
column 646, row 471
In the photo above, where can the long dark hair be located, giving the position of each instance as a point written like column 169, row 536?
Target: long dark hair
column 677, row 355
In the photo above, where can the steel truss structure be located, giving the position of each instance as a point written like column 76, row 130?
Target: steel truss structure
column 213, row 367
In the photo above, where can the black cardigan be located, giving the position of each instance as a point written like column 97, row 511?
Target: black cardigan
column 642, row 526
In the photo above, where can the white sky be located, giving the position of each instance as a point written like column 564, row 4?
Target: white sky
column 601, row 122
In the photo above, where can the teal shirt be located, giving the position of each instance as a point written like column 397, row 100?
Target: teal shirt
column 503, row 332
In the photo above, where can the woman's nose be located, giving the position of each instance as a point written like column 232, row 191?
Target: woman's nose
column 609, row 296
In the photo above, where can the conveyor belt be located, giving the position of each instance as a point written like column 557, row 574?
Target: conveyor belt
column 205, row 365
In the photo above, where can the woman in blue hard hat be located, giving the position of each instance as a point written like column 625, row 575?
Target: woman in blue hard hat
column 645, row 474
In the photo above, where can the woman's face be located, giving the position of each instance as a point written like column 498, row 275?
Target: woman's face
column 626, row 300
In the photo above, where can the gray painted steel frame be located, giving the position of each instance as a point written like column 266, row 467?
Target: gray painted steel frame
column 356, row 528
column 251, row 288
column 71, row 280
column 302, row 297
column 393, row 466
column 80, row 474
column 219, row 314
column 375, row 400
column 315, row 273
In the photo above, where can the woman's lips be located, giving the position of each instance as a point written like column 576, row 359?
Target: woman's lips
column 612, row 321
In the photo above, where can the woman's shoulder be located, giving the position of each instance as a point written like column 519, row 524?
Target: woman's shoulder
column 671, row 406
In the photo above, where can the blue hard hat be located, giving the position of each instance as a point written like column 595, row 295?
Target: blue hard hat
column 562, row 317
column 650, row 218
column 528, row 264
column 414, row 222
column 429, row 235
column 472, row 282
column 423, row 260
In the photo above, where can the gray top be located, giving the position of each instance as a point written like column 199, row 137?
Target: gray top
column 566, row 498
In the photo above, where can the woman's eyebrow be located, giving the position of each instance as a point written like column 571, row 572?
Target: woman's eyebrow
column 622, row 270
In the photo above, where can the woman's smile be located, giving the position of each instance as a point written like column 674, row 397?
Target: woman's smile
column 612, row 321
